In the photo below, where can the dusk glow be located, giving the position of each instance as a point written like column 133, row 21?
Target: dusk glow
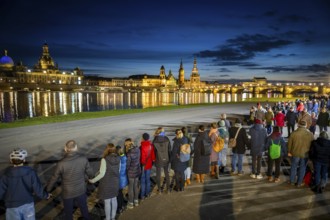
column 231, row 40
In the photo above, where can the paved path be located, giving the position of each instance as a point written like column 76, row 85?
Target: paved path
column 227, row 198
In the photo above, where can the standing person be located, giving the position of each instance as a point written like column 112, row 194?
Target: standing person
column 323, row 120
column 18, row 185
column 291, row 118
column 252, row 115
column 279, row 119
column 298, row 146
column 162, row 146
column 187, row 172
column 320, row 155
column 258, row 139
column 72, row 170
column 223, row 154
column 176, row 164
column 304, row 116
column 269, row 117
column 312, row 128
column 201, row 162
column 275, row 137
column 214, row 157
column 108, row 175
column 223, row 117
column 123, row 180
column 260, row 113
column 242, row 142
column 147, row 159
column 133, row 168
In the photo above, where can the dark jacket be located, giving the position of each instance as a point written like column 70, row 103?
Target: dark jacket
column 320, row 151
column 258, row 139
column 277, row 138
column 109, row 184
column 242, row 141
column 123, row 181
column 162, row 150
column 176, row 163
column 201, row 164
column 133, row 166
column 291, row 117
column 323, row 119
column 18, row 185
column 72, row 170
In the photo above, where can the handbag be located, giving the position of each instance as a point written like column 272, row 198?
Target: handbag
column 232, row 141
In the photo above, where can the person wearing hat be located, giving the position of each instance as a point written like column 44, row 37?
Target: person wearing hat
column 242, row 142
column 19, row 184
column 299, row 144
column 304, row 116
column 147, row 159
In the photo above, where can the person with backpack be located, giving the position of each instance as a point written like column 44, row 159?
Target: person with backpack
column 187, row 172
column 18, row 185
column 275, row 153
column 258, row 139
column 214, row 157
column 147, row 159
column 178, row 163
column 133, row 168
column 162, row 146
column 224, row 134
column 201, row 160
column 108, row 176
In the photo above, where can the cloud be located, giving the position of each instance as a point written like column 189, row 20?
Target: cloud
column 293, row 18
column 302, row 69
column 224, row 70
column 244, row 47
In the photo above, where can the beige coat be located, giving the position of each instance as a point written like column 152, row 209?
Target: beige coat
column 300, row 142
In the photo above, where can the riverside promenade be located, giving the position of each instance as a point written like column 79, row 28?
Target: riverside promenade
column 230, row 197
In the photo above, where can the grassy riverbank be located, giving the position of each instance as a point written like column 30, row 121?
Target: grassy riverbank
column 100, row 114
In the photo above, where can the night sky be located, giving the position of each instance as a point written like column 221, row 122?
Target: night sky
column 232, row 40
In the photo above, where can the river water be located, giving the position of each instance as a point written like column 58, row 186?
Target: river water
column 16, row 105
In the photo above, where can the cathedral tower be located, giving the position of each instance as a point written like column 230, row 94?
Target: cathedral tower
column 181, row 75
column 194, row 77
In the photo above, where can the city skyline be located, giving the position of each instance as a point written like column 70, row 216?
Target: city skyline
column 232, row 41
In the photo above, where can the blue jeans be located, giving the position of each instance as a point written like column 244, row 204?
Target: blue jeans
column 145, row 183
column 25, row 212
column 236, row 157
column 295, row 163
column 321, row 171
column 81, row 201
column 323, row 128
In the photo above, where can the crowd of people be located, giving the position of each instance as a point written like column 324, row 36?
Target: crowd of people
column 124, row 175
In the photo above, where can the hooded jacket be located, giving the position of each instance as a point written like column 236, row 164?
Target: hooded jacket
column 277, row 138
column 299, row 142
column 320, row 151
column 18, row 184
column 258, row 139
column 133, row 163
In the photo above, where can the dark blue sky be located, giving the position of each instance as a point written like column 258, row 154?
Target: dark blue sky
column 281, row 40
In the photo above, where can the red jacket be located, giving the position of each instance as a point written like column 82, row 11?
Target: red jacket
column 147, row 154
column 279, row 118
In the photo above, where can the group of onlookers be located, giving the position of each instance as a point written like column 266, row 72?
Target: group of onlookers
column 124, row 173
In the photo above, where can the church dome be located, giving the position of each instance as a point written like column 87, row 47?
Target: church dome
column 6, row 61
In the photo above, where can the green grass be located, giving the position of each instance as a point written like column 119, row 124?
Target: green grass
column 100, row 114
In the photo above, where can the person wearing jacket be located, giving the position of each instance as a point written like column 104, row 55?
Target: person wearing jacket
column 323, row 120
column 147, row 159
column 291, row 119
column 223, row 131
column 176, row 164
column 201, row 163
column 258, row 139
column 276, row 138
column 72, row 170
column 214, row 157
column 279, row 120
column 133, row 168
column 298, row 146
column 242, row 142
column 18, row 185
column 123, row 180
column 108, row 176
column 162, row 146
column 320, row 155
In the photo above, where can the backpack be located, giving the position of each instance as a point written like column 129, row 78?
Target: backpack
column 274, row 151
column 185, row 152
column 219, row 144
column 162, row 152
column 206, row 147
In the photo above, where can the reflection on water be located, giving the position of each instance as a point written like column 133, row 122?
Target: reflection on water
column 20, row 105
